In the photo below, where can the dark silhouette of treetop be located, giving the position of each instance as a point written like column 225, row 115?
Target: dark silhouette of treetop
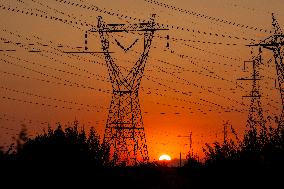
column 63, row 144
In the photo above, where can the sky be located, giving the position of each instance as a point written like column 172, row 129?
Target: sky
column 190, row 86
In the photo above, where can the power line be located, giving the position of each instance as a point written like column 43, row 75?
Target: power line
column 200, row 15
column 51, row 98
column 53, row 82
column 41, row 104
column 96, row 8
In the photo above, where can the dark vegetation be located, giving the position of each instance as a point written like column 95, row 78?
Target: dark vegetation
column 72, row 157
column 256, row 161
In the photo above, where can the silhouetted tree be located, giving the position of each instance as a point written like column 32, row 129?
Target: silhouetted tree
column 58, row 145
column 257, row 159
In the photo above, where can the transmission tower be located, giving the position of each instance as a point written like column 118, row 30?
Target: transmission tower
column 124, row 131
column 275, row 43
column 255, row 117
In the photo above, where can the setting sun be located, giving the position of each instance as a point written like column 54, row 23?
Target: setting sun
column 164, row 157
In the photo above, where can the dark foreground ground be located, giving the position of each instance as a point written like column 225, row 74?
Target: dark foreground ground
column 69, row 158
column 84, row 175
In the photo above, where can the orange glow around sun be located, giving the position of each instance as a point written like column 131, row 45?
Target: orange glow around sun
column 165, row 157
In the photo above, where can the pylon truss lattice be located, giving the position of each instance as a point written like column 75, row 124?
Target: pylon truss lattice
column 255, row 117
column 275, row 43
column 124, row 131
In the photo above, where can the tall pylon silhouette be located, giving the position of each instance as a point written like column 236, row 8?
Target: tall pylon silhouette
column 124, row 131
column 275, row 43
column 255, row 121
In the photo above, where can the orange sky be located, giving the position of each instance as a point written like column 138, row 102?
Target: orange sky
column 196, row 92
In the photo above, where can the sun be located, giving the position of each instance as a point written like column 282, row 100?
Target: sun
column 165, row 157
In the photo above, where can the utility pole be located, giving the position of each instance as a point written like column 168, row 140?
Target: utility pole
column 190, row 146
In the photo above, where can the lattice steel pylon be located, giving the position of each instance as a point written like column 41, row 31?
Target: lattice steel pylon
column 124, row 131
column 255, row 116
column 275, row 43
column 255, row 121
